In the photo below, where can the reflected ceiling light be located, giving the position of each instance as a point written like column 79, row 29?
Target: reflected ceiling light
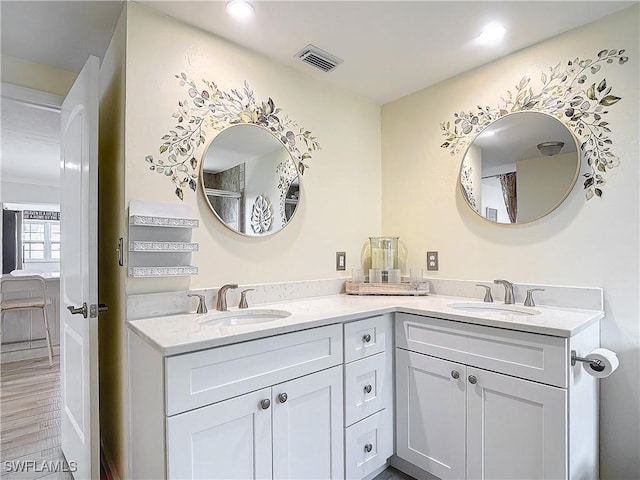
column 492, row 34
column 240, row 9
column 550, row 148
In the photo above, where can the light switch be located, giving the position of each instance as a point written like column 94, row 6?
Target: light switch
column 341, row 260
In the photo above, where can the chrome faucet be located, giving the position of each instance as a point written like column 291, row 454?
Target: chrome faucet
column 202, row 305
column 529, row 302
column 243, row 298
column 487, row 292
column 508, row 291
column 221, row 302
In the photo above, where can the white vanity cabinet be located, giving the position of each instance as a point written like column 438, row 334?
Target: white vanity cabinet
column 368, row 395
column 482, row 402
column 292, row 429
column 267, row 408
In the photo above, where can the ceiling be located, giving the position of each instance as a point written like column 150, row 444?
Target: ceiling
column 389, row 48
column 30, row 150
column 515, row 137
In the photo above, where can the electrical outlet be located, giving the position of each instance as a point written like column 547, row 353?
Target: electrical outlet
column 341, row 260
column 432, row 261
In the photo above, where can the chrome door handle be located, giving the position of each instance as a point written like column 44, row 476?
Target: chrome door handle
column 455, row 374
column 472, row 379
column 368, row 447
column 266, row 403
column 282, row 397
column 367, row 389
column 79, row 310
column 366, row 338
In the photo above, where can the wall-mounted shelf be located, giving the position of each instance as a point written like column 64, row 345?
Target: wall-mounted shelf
column 160, row 239
column 180, row 271
column 162, row 247
column 149, row 221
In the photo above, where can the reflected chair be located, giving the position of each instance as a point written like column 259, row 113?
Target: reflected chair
column 32, row 292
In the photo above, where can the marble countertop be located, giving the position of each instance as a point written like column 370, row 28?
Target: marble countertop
column 176, row 334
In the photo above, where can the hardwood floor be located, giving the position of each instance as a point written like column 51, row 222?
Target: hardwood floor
column 30, row 421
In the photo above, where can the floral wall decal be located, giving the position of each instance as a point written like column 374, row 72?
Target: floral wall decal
column 208, row 108
column 286, row 176
column 261, row 215
column 576, row 93
column 467, row 188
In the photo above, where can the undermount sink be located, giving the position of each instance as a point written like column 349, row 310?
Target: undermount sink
column 241, row 317
column 494, row 309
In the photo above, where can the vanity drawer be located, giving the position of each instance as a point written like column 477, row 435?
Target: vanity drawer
column 541, row 358
column 365, row 337
column 368, row 444
column 366, row 384
column 201, row 378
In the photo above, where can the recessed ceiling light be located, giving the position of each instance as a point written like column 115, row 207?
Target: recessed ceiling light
column 240, row 9
column 492, row 34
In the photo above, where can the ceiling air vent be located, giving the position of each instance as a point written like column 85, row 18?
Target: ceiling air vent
column 318, row 58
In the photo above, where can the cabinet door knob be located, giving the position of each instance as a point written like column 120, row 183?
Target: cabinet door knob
column 472, row 379
column 366, row 338
column 266, row 403
column 455, row 374
column 368, row 447
column 282, row 397
column 367, row 389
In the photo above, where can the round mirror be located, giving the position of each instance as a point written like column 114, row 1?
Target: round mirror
column 520, row 168
column 250, row 180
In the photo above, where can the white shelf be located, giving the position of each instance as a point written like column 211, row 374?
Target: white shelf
column 146, row 221
column 169, row 242
column 179, row 271
column 162, row 247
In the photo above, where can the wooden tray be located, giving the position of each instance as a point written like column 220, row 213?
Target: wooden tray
column 405, row 288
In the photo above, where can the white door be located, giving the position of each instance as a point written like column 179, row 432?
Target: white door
column 226, row 440
column 516, row 429
column 78, row 273
column 431, row 414
column 308, row 427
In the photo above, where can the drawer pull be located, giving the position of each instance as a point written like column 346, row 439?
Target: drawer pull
column 367, row 389
column 366, row 338
column 282, row 397
column 266, row 403
column 455, row 374
column 368, row 447
column 472, row 379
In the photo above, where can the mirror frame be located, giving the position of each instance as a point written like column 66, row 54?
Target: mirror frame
column 293, row 165
column 558, row 203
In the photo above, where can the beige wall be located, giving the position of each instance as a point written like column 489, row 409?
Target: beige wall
column 36, row 75
column 112, row 225
column 542, row 181
column 340, row 204
column 581, row 243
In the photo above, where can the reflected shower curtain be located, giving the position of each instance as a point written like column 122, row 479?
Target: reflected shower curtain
column 508, row 184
